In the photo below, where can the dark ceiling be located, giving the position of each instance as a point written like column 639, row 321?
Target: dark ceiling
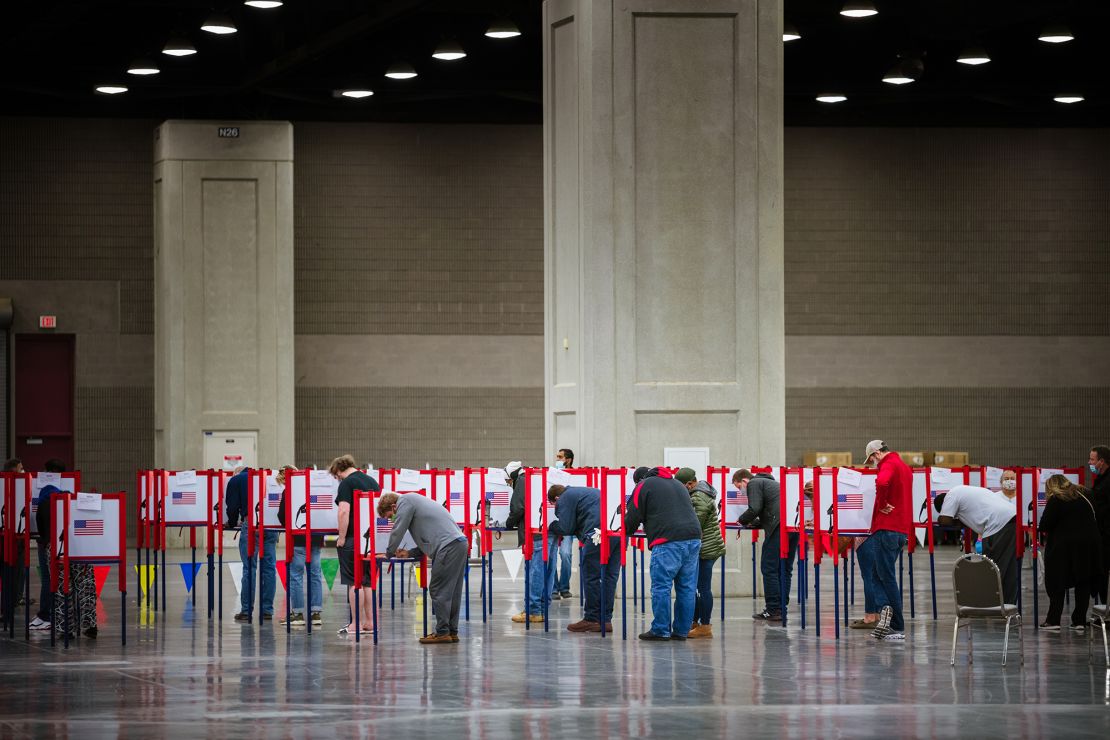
column 286, row 63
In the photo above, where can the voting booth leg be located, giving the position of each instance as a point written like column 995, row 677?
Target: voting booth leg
column 845, row 594
column 643, row 582
column 424, row 599
column 1036, row 601
column 527, row 591
column 482, row 590
column 601, row 601
column 211, row 587
column 635, row 590
column 782, row 592
column 836, row 600
column 933, row 581
column 724, row 567
column 755, row 587
column 581, row 578
column 289, row 606
column 308, row 590
column 27, row 601
column 547, row 568
column 194, row 588
column 817, row 597
column 374, row 616
column 392, row 588
column 65, row 618
column 624, row 604
column 913, row 608
column 123, row 618
column 152, row 593
column 381, row 589
column 801, row 592
column 852, row 594
column 220, row 585
column 165, row 604
column 402, row 583
column 139, row 577
column 258, row 585
column 358, row 598
column 466, row 588
column 1019, row 585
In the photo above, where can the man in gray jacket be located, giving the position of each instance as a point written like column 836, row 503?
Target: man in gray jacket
column 436, row 535
column 763, row 513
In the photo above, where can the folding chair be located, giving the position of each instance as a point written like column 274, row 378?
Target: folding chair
column 1101, row 613
column 977, row 587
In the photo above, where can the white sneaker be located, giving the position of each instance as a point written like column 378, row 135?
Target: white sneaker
column 882, row 627
column 38, row 624
column 895, row 637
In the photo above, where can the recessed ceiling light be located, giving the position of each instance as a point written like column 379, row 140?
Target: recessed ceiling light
column 973, row 55
column 400, row 71
column 831, row 98
column 219, row 24
column 1056, row 35
column 263, row 4
column 789, row 33
column 142, row 67
column 111, row 89
column 179, row 46
column 1069, row 99
column 356, row 93
column 858, row 9
column 899, row 74
column 449, row 51
column 503, row 29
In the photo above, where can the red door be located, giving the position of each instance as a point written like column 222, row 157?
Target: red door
column 43, row 386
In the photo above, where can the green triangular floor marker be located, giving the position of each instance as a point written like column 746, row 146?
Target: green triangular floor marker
column 329, row 566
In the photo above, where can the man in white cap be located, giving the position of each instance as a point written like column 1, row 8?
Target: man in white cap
column 891, row 522
column 541, row 572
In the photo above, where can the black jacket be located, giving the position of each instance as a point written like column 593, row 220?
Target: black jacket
column 662, row 505
column 763, row 502
column 515, row 520
column 1072, row 552
column 1100, row 498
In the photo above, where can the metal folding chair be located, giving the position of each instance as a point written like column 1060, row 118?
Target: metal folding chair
column 977, row 587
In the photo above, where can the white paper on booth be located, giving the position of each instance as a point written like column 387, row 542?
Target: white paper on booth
column 496, row 477
column 272, row 485
column 994, row 478
column 406, row 477
column 319, row 478
column 941, row 477
column 49, row 479
column 185, row 478
column 89, row 501
column 1047, row 473
column 846, row 477
column 559, row 477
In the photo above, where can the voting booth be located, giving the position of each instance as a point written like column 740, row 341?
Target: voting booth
column 89, row 528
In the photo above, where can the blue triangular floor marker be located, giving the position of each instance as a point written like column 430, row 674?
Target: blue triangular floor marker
column 189, row 577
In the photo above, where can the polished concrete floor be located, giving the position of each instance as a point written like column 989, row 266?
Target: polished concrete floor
column 182, row 675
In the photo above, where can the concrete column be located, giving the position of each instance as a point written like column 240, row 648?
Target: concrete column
column 663, row 228
column 223, row 225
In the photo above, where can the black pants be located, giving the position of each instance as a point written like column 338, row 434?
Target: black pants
column 600, row 596
column 1056, row 605
column 1001, row 548
column 769, row 565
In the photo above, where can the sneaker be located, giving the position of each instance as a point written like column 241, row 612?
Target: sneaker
column 566, row 594
column 700, row 631
column 585, row 625
column 1078, row 627
column 882, row 627
column 39, row 625
column 296, row 619
column 676, row 636
column 317, row 619
column 653, row 637
column 555, row 596
column 767, row 616
column 437, row 639
column 895, row 637
column 91, row 632
column 1050, row 627
column 243, row 617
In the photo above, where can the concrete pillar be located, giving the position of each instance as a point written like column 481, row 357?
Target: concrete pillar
column 663, row 242
column 223, row 225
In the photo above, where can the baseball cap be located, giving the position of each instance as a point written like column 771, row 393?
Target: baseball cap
column 686, row 475
column 873, row 446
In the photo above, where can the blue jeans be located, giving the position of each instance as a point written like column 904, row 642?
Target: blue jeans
column 566, row 553
column 296, row 580
column 601, row 594
column 541, row 575
column 703, row 609
column 269, row 570
column 674, row 563
column 865, row 558
column 769, row 566
column 881, row 550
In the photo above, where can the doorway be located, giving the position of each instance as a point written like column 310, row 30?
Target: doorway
column 44, row 389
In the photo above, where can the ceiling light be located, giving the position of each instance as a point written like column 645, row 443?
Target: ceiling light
column 400, row 71
column 858, row 9
column 973, row 55
column 357, row 93
column 111, row 89
column 179, row 46
column 1056, row 35
column 449, row 51
column 503, row 29
column 831, row 98
column 899, row 75
column 789, row 33
column 219, row 24
column 1069, row 99
column 142, row 67
column 263, row 4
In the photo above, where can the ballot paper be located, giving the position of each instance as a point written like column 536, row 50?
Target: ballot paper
column 186, row 478
column 994, row 478
column 89, row 501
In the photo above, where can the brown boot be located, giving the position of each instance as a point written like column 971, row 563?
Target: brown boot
column 585, row 625
column 596, row 627
column 700, row 630
column 435, row 639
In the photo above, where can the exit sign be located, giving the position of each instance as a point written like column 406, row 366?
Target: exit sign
column 48, row 322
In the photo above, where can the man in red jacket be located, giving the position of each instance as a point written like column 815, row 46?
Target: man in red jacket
column 890, row 527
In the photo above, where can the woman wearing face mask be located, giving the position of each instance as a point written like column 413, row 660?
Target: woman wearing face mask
column 1072, row 553
column 1009, row 484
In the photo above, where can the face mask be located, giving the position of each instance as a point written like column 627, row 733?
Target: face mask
column 1009, row 485
column 559, row 464
column 1094, row 469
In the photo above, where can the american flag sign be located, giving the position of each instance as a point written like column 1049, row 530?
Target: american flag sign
column 183, row 498
column 498, row 498
column 849, row 500
column 273, row 499
column 733, row 496
column 382, row 526
column 456, row 496
column 88, row 527
column 320, row 501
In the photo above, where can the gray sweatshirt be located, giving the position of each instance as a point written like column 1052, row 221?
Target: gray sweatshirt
column 430, row 525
